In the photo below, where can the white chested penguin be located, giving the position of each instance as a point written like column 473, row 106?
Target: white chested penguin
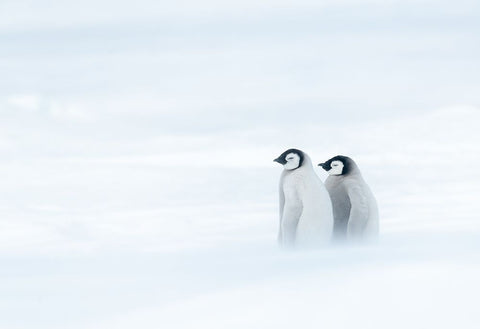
column 355, row 209
column 306, row 218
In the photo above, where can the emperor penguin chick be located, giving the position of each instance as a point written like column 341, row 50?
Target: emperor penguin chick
column 306, row 218
column 355, row 209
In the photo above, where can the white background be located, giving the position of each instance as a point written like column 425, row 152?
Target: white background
column 136, row 175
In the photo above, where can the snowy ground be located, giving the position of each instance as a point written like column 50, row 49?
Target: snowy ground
column 179, row 243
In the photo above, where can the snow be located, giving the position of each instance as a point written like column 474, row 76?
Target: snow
column 149, row 242
column 137, row 187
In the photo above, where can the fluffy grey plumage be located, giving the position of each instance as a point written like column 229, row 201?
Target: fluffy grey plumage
column 355, row 209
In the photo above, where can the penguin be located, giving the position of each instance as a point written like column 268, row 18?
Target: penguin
column 355, row 209
column 306, row 216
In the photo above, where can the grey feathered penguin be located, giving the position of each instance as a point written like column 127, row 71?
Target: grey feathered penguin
column 355, row 210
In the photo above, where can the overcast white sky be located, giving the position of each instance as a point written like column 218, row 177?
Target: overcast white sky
column 217, row 65
column 99, row 73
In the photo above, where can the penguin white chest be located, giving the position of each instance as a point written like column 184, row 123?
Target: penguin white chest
column 292, row 188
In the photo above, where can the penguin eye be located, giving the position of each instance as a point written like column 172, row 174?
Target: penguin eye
column 334, row 165
column 290, row 158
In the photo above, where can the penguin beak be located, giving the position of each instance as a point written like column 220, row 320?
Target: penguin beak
column 280, row 161
column 323, row 166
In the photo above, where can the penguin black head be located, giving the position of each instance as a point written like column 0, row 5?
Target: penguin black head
column 291, row 159
column 338, row 165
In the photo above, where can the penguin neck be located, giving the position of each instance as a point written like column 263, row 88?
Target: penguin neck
column 353, row 170
column 349, row 168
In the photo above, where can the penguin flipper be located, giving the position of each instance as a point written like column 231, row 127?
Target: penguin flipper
column 358, row 212
column 282, row 205
column 289, row 223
